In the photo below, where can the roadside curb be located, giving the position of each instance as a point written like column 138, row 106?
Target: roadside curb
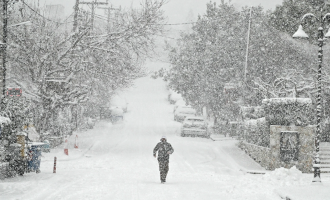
column 221, row 138
column 252, row 171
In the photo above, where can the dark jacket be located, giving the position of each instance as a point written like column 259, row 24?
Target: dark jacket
column 164, row 150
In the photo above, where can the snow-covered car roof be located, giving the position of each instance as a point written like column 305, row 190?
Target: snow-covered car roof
column 185, row 109
column 117, row 111
column 194, row 117
column 117, row 100
column 175, row 96
column 180, row 102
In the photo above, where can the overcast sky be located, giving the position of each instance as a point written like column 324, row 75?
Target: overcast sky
column 176, row 10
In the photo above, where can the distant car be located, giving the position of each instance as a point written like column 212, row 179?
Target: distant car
column 170, row 91
column 117, row 101
column 194, row 126
column 180, row 102
column 90, row 122
column 182, row 112
column 174, row 97
column 116, row 114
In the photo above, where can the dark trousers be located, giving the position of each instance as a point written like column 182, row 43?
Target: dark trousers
column 163, row 169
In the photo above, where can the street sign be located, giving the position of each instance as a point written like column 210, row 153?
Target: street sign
column 14, row 92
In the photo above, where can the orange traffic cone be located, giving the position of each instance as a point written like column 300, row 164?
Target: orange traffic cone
column 66, row 151
column 76, row 142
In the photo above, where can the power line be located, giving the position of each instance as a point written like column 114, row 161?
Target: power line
column 42, row 15
column 166, row 37
column 174, row 24
column 165, row 24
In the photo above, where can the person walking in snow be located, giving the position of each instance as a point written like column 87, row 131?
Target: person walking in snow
column 164, row 150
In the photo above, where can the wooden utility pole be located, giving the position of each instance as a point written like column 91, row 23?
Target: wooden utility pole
column 75, row 17
column 108, row 18
column 93, row 3
column 4, row 44
column 109, row 15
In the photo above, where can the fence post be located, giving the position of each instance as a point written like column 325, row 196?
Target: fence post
column 54, row 170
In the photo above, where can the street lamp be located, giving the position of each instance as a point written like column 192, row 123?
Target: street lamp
column 301, row 34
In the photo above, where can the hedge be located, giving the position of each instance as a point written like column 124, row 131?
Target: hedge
column 289, row 111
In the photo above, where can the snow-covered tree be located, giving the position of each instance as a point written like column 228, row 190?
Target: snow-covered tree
column 59, row 70
column 212, row 58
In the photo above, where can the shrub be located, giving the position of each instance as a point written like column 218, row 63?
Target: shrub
column 257, row 132
column 289, row 111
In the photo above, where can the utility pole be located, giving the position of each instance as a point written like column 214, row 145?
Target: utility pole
column 246, row 56
column 75, row 17
column 4, row 45
column 93, row 3
column 247, row 47
column 109, row 15
column 108, row 18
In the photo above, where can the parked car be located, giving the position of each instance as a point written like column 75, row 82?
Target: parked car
column 180, row 102
column 194, row 126
column 90, row 122
column 170, row 91
column 117, row 101
column 182, row 112
column 174, row 97
column 117, row 114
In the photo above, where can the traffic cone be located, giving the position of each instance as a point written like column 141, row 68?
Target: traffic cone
column 76, row 142
column 66, row 151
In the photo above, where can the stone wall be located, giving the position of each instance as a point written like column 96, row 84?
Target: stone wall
column 306, row 146
column 270, row 158
column 258, row 153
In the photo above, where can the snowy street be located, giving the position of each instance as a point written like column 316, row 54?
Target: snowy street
column 232, row 96
column 116, row 162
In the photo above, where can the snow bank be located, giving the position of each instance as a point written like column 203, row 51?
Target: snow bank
column 285, row 177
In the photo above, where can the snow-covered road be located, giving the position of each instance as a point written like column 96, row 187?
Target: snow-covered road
column 116, row 162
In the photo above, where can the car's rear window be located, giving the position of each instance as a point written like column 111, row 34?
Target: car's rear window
column 188, row 111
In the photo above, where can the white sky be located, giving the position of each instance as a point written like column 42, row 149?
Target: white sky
column 176, row 10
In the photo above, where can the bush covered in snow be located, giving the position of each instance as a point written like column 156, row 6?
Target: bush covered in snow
column 289, row 111
column 253, row 112
column 257, row 132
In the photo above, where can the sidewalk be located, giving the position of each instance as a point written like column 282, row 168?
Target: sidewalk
column 220, row 137
column 243, row 162
column 305, row 192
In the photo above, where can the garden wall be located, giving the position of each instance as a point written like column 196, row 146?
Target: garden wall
column 285, row 137
column 274, row 157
